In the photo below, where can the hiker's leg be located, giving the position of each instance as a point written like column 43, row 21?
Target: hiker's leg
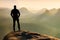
column 18, row 24
column 14, row 25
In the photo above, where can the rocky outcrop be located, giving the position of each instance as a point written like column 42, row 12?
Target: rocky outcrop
column 25, row 35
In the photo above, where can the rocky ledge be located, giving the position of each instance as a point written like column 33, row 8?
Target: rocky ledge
column 26, row 35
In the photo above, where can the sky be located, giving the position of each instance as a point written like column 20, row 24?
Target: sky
column 30, row 4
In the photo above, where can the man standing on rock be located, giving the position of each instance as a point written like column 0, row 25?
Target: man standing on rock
column 15, row 15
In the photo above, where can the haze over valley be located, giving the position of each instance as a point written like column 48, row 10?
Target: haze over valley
column 43, row 21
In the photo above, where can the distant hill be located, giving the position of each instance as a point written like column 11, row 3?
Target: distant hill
column 45, row 14
column 53, row 11
column 25, row 13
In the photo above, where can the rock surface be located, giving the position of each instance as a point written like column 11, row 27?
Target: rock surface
column 25, row 35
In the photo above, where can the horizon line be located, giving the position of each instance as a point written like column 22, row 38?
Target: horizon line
column 31, row 9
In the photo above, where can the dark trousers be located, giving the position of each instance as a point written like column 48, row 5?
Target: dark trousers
column 14, row 22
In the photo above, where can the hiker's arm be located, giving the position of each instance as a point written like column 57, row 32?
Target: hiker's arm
column 11, row 13
column 19, row 13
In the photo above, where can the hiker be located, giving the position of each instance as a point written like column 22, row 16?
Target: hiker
column 15, row 15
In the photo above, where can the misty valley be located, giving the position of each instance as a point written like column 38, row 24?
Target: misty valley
column 43, row 21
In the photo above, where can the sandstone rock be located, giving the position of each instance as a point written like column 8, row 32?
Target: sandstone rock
column 25, row 35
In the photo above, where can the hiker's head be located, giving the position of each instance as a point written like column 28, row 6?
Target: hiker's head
column 14, row 6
